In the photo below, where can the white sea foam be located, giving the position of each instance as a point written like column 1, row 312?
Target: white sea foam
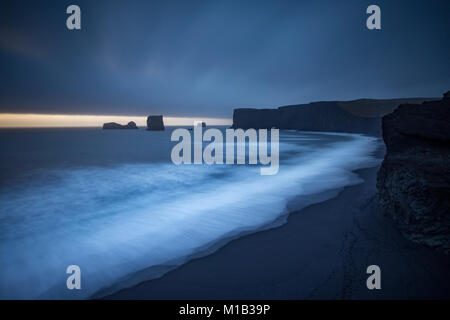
column 113, row 222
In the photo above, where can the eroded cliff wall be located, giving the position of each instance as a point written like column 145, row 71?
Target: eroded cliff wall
column 414, row 178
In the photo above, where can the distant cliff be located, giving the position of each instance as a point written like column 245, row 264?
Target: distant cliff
column 357, row 116
column 114, row 125
column 414, row 178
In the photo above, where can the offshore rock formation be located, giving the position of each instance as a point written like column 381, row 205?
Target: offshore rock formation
column 155, row 123
column 357, row 116
column 414, row 178
column 114, row 125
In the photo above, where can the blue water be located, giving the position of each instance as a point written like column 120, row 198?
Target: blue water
column 112, row 202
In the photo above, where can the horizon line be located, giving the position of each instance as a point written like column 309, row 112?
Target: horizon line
column 41, row 120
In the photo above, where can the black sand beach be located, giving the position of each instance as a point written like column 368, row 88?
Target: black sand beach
column 322, row 252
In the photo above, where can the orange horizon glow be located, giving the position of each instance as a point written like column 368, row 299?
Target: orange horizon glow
column 34, row 120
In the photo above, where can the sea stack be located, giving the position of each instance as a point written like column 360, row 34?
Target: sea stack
column 155, row 123
column 414, row 179
column 200, row 124
column 114, row 125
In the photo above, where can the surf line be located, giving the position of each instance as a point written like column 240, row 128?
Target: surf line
column 234, row 139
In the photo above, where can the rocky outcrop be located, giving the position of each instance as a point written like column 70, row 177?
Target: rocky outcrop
column 155, row 123
column 357, row 116
column 414, row 178
column 114, row 125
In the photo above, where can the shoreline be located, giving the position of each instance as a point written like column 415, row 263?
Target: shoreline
column 158, row 271
column 294, row 203
column 350, row 233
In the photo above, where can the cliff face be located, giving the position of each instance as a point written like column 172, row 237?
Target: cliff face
column 155, row 123
column 326, row 116
column 358, row 116
column 114, row 125
column 317, row 116
column 414, row 178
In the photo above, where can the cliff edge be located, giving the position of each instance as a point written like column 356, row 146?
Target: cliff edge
column 414, row 178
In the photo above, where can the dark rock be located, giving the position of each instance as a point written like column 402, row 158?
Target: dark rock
column 114, row 125
column 358, row 116
column 447, row 95
column 414, row 178
column 155, row 123
column 200, row 124
column 317, row 116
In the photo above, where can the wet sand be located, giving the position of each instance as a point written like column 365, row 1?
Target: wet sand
column 322, row 252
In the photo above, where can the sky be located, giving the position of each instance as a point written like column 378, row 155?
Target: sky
column 205, row 58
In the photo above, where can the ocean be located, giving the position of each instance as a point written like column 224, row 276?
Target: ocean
column 113, row 203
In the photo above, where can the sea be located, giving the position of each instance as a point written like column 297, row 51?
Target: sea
column 112, row 203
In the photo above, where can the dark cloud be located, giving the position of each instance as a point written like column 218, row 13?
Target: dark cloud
column 203, row 58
